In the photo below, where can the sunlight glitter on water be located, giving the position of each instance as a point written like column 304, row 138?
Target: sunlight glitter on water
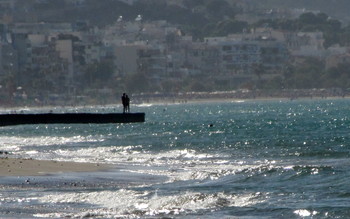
column 258, row 159
column 127, row 202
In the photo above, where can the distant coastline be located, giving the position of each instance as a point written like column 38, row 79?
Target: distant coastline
column 240, row 95
column 186, row 97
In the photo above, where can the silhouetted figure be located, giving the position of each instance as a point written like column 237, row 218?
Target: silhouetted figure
column 127, row 100
column 124, row 102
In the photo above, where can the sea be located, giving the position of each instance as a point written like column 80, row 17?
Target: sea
column 230, row 159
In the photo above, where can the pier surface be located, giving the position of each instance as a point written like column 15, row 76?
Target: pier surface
column 59, row 118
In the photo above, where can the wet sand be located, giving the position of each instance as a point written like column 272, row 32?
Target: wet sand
column 30, row 167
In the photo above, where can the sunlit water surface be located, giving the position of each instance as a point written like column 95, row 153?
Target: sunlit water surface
column 254, row 159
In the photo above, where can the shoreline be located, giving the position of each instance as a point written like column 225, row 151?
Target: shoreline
column 220, row 100
column 117, row 107
column 198, row 96
column 240, row 96
column 31, row 167
column 189, row 97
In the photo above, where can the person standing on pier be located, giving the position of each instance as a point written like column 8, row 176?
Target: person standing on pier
column 124, row 102
column 127, row 101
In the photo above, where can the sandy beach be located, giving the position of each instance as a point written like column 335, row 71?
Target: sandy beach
column 30, row 167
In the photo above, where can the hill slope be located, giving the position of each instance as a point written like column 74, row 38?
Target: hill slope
column 336, row 8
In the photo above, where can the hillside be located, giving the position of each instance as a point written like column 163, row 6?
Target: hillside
column 336, row 8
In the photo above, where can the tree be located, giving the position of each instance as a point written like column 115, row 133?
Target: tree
column 192, row 3
column 226, row 27
column 99, row 73
column 338, row 76
column 308, row 74
column 259, row 70
column 197, row 86
column 218, row 9
column 136, row 83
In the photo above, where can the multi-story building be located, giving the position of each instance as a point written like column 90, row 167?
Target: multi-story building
column 337, row 59
column 243, row 59
column 21, row 44
column 48, row 70
column 126, row 58
column 306, row 44
column 273, row 56
column 57, row 53
column 41, row 28
column 8, row 61
column 202, row 59
column 238, row 56
column 64, row 47
column 152, row 61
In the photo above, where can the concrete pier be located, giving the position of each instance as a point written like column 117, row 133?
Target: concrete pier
column 59, row 118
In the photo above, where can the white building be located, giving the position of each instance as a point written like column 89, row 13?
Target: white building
column 127, row 57
column 65, row 50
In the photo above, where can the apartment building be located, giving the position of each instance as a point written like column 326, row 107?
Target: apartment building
column 239, row 59
column 7, row 4
column 126, row 58
column 152, row 61
column 8, row 61
column 238, row 56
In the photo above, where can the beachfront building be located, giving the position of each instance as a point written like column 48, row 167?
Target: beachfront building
column 147, row 59
column 43, row 63
column 8, row 61
column 126, row 58
column 41, row 28
column 306, row 44
column 152, row 62
column 26, row 36
column 237, row 60
column 273, row 56
column 238, row 57
column 48, row 69
column 335, row 60
column 242, row 59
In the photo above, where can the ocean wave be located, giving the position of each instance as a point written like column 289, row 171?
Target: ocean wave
column 129, row 203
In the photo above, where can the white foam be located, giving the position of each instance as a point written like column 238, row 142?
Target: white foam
column 18, row 141
column 20, row 145
column 127, row 202
column 177, row 165
column 305, row 213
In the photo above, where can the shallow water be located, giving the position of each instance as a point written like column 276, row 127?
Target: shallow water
column 255, row 159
